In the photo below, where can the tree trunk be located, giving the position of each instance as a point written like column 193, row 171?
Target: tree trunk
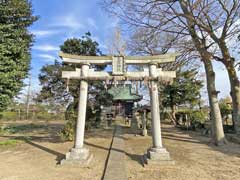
column 235, row 94
column 173, row 114
column 218, row 136
column 200, row 44
column 228, row 61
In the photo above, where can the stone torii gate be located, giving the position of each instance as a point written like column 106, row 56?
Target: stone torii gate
column 157, row 153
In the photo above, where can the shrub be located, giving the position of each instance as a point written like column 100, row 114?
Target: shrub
column 70, row 116
column 68, row 132
column 9, row 115
column 197, row 119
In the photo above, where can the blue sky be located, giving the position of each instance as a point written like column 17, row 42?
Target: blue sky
column 62, row 19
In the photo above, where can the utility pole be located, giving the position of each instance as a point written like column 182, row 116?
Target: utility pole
column 28, row 97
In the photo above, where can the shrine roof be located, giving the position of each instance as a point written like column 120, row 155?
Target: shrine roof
column 124, row 93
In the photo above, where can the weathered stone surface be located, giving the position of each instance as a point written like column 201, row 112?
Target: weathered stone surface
column 134, row 125
column 157, row 156
column 116, row 162
column 148, row 163
column 165, row 58
column 144, row 123
column 80, row 157
column 144, row 132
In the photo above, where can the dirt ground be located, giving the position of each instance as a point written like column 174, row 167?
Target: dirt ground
column 37, row 157
column 195, row 158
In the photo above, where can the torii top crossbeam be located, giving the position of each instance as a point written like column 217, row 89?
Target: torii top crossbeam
column 119, row 72
column 159, row 59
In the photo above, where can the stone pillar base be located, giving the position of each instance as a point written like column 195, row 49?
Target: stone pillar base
column 103, row 124
column 156, row 157
column 80, row 157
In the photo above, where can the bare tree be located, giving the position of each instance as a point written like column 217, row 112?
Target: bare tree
column 219, row 20
column 116, row 45
column 146, row 42
column 176, row 17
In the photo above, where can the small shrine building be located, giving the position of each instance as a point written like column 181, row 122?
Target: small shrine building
column 123, row 99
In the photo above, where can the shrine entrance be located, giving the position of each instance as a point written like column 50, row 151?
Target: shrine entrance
column 157, row 153
column 123, row 99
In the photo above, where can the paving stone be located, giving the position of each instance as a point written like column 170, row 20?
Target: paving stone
column 116, row 168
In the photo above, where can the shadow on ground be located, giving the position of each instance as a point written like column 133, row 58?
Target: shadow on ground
column 134, row 157
column 232, row 149
column 59, row 156
column 34, row 141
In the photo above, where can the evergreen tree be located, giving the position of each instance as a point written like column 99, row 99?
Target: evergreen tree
column 226, row 108
column 84, row 46
column 185, row 90
column 15, row 42
column 54, row 88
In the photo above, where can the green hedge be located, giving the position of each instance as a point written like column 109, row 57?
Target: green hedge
column 9, row 115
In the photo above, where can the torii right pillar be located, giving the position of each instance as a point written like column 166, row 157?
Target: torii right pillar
column 157, row 154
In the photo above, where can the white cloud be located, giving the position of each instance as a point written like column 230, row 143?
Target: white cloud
column 46, row 47
column 47, row 57
column 69, row 21
column 103, row 46
column 95, row 38
column 91, row 22
column 44, row 33
column 113, row 23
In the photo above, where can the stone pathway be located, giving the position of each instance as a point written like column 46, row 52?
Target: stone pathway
column 116, row 169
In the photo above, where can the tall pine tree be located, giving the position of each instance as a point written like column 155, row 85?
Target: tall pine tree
column 15, row 42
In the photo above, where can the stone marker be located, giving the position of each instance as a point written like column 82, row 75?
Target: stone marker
column 144, row 123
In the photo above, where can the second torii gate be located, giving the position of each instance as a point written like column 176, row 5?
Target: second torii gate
column 157, row 153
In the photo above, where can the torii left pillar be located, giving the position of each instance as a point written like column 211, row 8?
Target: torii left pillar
column 79, row 154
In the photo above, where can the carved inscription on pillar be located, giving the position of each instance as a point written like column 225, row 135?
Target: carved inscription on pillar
column 118, row 65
